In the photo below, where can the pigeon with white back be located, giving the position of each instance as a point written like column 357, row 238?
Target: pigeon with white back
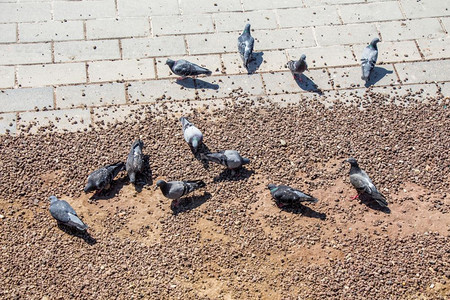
column 363, row 184
column 369, row 59
column 176, row 189
column 285, row 195
column 65, row 214
column 297, row 67
column 135, row 160
column 101, row 179
column 184, row 68
column 245, row 46
column 228, row 158
column 192, row 135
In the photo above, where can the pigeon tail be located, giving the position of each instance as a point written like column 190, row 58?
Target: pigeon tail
column 195, row 141
column 132, row 177
column 245, row 161
column 380, row 199
column 198, row 183
column 89, row 187
column 74, row 221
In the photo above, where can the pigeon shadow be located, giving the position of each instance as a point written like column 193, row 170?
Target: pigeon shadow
column 239, row 174
column 372, row 204
column 190, row 203
column 306, row 84
column 77, row 233
column 203, row 149
column 113, row 191
column 146, row 178
column 201, row 84
column 255, row 63
column 376, row 75
column 304, row 210
column 188, row 83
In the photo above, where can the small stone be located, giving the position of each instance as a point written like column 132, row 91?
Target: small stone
column 283, row 142
column 432, row 286
column 2, row 216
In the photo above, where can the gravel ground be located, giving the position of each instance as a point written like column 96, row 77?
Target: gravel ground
column 229, row 240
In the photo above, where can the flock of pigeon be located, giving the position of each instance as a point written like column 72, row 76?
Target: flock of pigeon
column 101, row 179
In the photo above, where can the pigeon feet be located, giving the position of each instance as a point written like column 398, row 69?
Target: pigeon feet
column 280, row 205
column 174, row 204
column 355, row 197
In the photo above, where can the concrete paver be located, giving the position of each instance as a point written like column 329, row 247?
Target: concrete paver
column 370, row 12
column 8, row 33
column 182, row 24
column 130, row 69
column 425, row 8
column 350, row 77
column 325, row 56
column 262, row 19
column 13, row 100
column 153, row 90
column 148, row 47
column 76, row 10
column 86, row 50
column 392, row 51
column 345, row 34
column 90, row 95
column 283, row 38
column 51, row 31
column 317, row 15
column 25, row 12
column 424, row 72
column 411, row 29
column 40, row 75
column 7, row 77
column 435, row 48
column 8, row 123
column 139, row 8
column 117, row 28
column 283, row 82
column 16, row 54
column 265, row 61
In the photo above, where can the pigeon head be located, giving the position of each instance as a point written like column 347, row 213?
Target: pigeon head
column 374, row 42
column 303, row 57
column 139, row 143
column 89, row 187
column 245, row 161
column 170, row 62
column 247, row 28
column 271, row 186
column 52, row 199
column 351, row 161
column 160, row 183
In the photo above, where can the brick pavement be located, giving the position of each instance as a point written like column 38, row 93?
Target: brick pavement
column 81, row 62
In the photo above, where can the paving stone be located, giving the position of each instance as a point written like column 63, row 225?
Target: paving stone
column 139, row 8
column 412, row 29
column 7, row 77
column 63, row 120
column 370, row 12
column 350, row 77
column 283, row 82
column 66, row 10
column 263, row 62
column 422, row 90
column 207, row 6
column 8, row 33
column 15, row 54
column 90, row 95
column 101, row 71
column 121, row 28
column 392, row 51
column 39, row 75
column 423, row 72
column 25, row 12
column 425, row 8
column 86, row 50
column 212, row 43
column 445, row 89
column 26, row 99
column 310, row 16
column 262, row 19
column 325, row 56
column 188, row 24
column 149, row 47
column 8, row 123
column 438, row 48
column 269, row 4
column 223, row 86
column 211, row 62
column 345, row 34
column 283, row 38
column 51, row 31
column 154, row 90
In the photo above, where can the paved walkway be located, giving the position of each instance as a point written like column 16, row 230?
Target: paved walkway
column 80, row 62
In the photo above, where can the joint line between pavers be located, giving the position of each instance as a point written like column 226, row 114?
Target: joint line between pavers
column 418, row 49
column 338, row 11
column 16, row 77
column 87, row 72
column 155, row 69
column 127, row 96
column 116, row 8
column 52, row 51
column 263, row 84
column 84, row 30
column 379, row 32
column 396, row 74
column 120, row 49
column 150, row 27
column 186, row 45
column 277, row 18
column 401, row 9
column 54, row 98
column 17, row 32
column 442, row 25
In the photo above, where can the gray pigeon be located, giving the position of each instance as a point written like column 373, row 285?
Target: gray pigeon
column 192, row 135
column 176, row 189
column 184, row 69
column 135, row 160
column 298, row 67
column 65, row 214
column 101, row 179
column 245, row 46
column 369, row 58
column 229, row 158
column 285, row 195
column 363, row 184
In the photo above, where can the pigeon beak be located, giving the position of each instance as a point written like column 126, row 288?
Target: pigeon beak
column 156, row 187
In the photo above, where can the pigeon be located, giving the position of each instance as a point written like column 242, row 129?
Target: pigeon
column 229, row 158
column 135, row 160
column 192, row 135
column 369, row 58
column 285, row 195
column 185, row 69
column 363, row 184
column 298, row 67
column 176, row 189
column 65, row 214
column 245, row 46
column 101, row 179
